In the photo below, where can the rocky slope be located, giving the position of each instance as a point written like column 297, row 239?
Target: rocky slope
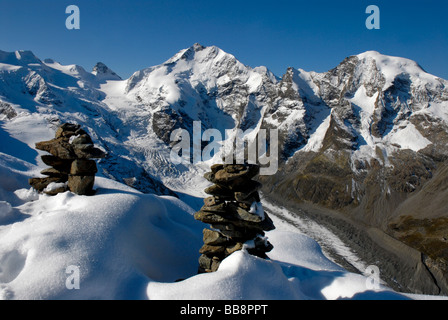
column 367, row 138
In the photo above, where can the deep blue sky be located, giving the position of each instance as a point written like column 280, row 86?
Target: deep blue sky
column 312, row 35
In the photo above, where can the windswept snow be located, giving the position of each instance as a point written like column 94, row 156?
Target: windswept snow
column 129, row 245
column 408, row 138
column 391, row 66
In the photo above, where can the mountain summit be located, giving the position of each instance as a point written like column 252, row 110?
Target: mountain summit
column 102, row 72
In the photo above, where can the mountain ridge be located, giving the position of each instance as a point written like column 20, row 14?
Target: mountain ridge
column 362, row 138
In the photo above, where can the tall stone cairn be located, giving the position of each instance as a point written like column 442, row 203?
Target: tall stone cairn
column 70, row 157
column 235, row 214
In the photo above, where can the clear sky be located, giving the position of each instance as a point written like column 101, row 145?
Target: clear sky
column 314, row 35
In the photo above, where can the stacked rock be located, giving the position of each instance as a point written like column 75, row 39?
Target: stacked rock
column 71, row 167
column 235, row 214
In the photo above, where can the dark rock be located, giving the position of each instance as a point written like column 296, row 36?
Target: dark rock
column 214, row 237
column 233, row 172
column 61, row 165
column 216, row 167
column 88, row 151
column 218, row 208
column 208, row 264
column 211, row 201
column 52, row 172
column 81, row 185
column 220, row 191
column 247, row 187
column 41, row 183
column 67, row 130
column 210, row 217
column 83, row 139
column 244, row 215
column 229, row 250
column 83, row 167
column 247, row 197
column 212, row 250
column 58, row 148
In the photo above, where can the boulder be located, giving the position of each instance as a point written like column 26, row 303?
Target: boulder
column 81, row 185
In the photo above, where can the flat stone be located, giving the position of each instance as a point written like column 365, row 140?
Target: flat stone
column 244, row 215
column 220, row 191
column 83, row 139
column 233, row 172
column 52, row 172
column 69, row 127
column 57, row 163
column 210, row 250
column 236, row 233
column 214, row 238
column 88, row 151
column 210, row 176
column 229, row 250
column 210, row 217
column 218, row 208
column 214, row 200
column 234, row 168
column 67, row 130
column 41, row 183
column 247, row 197
column 58, row 148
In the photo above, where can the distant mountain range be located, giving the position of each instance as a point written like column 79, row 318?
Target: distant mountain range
column 368, row 138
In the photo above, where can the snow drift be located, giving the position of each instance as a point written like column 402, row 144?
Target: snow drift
column 130, row 245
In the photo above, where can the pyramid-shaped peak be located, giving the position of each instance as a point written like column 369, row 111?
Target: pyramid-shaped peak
column 104, row 72
column 198, row 47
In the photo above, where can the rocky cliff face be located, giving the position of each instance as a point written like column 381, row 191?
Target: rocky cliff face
column 368, row 138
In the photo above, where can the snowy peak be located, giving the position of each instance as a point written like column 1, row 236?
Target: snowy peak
column 200, row 83
column 391, row 67
column 19, row 58
column 103, row 73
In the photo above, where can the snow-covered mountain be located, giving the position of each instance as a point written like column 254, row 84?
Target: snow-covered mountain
column 368, row 138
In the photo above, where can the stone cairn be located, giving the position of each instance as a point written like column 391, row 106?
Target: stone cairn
column 235, row 214
column 71, row 167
